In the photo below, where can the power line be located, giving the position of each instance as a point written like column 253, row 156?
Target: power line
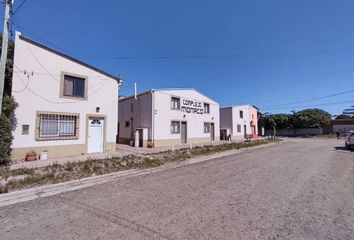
column 41, row 38
column 34, row 73
column 313, row 105
column 26, row 85
column 51, row 101
column 172, row 57
column 311, row 99
column 307, row 88
column 18, row 8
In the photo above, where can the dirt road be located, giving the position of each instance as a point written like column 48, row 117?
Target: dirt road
column 299, row 189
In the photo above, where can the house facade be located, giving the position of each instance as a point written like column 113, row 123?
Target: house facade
column 343, row 126
column 168, row 117
column 238, row 122
column 65, row 106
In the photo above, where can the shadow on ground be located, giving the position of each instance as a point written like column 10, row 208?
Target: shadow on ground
column 342, row 148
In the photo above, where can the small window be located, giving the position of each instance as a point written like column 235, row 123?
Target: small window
column 206, row 127
column 74, row 86
column 241, row 114
column 238, row 128
column 57, row 126
column 175, row 103
column 206, row 108
column 127, row 124
column 175, row 127
column 131, row 107
column 25, row 129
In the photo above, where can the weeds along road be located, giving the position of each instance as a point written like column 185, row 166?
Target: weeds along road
column 299, row 189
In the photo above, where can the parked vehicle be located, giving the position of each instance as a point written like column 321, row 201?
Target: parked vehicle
column 349, row 140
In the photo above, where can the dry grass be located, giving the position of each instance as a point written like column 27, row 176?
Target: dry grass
column 11, row 180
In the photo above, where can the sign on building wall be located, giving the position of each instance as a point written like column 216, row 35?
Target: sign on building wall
column 190, row 106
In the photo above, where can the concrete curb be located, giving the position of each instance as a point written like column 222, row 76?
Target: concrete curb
column 54, row 189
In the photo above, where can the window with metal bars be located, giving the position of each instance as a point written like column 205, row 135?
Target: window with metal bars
column 57, row 126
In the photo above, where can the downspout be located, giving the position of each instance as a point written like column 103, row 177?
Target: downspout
column 153, row 117
column 120, row 81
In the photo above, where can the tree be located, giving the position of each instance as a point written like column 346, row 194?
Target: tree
column 279, row 121
column 7, row 118
column 308, row 118
column 9, row 66
column 311, row 118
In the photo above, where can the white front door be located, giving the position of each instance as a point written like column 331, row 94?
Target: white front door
column 95, row 135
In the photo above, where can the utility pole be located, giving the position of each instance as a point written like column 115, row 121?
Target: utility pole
column 5, row 41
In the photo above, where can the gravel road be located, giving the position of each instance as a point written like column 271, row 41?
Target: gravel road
column 299, row 189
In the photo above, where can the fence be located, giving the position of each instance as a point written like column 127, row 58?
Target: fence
column 296, row 132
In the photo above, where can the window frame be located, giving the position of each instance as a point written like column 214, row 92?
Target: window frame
column 179, row 127
column 62, row 82
column 239, row 128
column 209, row 127
column 179, row 103
column 38, row 137
column 241, row 114
column 204, row 105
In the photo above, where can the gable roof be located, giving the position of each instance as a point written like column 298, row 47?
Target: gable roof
column 184, row 89
column 70, row 58
column 164, row 89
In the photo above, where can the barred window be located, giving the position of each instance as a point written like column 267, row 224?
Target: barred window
column 57, row 126
column 175, row 127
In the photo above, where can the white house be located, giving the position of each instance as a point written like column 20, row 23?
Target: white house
column 168, row 117
column 65, row 106
column 238, row 122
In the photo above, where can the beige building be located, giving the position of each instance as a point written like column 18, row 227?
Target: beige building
column 238, row 122
column 65, row 106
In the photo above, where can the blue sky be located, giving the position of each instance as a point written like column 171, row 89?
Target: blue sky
column 280, row 55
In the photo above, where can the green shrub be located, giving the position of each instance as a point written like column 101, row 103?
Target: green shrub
column 5, row 140
column 7, row 123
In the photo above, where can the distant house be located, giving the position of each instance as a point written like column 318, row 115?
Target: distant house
column 339, row 125
column 166, row 117
column 65, row 106
column 238, row 122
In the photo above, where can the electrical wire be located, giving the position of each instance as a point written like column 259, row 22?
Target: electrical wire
column 307, row 106
column 39, row 37
column 18, row 8
column 51, row 101
column 25, row 87
column 311, row 99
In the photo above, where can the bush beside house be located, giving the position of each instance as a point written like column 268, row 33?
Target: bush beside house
column 7, row 118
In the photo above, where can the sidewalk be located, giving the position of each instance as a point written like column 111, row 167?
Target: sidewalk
column 121, row 150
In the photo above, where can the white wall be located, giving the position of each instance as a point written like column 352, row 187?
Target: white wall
column 242, row 121
column 195, row 122
column 230, row 118
column 41, row 91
